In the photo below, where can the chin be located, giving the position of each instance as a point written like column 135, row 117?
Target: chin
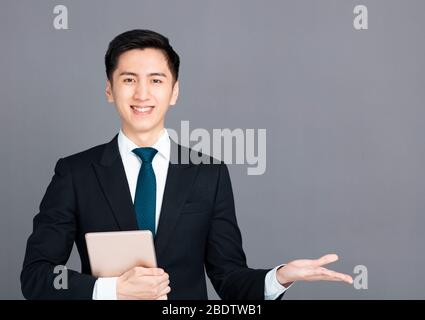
column 144, row 129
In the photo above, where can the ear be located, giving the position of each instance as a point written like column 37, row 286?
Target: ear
column 175, row 94
column 108, row 92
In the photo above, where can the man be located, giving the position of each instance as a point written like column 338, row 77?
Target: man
column 133, row 183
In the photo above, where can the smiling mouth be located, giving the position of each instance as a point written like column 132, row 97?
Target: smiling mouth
column 142, row 110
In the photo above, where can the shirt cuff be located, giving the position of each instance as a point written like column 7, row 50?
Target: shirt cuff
column 105, row 289
column 272, row 288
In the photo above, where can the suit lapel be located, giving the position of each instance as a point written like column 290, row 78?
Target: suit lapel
column 180, row 178
column 112, row 178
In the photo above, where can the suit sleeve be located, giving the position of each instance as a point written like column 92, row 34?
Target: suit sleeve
column 225, row 259
column 50, row 245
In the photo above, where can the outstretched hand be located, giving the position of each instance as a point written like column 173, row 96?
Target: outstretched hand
column 310, row 270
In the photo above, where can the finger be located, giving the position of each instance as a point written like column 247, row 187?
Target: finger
column 161, row 290
column 165, row 291
column 345, row 277
column 164, row 297
column 324, row 278
column 328, row 278
column 326, row 259
column 156, row 271
column 141, row 271
column 330, row 275
column 323, row 275
column 163, row 285
column 157, row 280
column 341, row 276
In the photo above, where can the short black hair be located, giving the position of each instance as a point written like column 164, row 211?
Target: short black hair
column 140, row 39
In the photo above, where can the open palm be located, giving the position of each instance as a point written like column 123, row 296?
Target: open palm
column 311, row 270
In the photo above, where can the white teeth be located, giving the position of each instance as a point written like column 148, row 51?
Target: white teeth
column 144, row 109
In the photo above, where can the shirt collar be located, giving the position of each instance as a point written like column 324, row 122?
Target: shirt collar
column 126, row 146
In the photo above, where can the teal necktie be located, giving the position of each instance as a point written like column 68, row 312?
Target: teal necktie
column 145, row 198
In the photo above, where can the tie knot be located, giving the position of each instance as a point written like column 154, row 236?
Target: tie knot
column 146, row 154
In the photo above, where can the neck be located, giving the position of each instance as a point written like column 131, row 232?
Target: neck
column 144, row 139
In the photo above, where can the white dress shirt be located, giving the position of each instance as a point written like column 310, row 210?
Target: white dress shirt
column 105, row 288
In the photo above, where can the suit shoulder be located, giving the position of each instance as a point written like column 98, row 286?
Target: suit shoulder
column 85, row 157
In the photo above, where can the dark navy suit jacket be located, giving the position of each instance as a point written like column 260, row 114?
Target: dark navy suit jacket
column 197, row 227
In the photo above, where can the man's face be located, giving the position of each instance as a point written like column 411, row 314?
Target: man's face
column 142, row 90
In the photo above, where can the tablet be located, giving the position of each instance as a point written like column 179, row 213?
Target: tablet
column 113, row 253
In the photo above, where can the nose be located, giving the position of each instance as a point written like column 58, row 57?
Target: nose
column 142, row 91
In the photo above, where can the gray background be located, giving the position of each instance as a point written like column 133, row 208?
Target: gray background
column 343, row 109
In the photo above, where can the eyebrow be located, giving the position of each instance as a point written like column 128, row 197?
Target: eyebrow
column 128, row 73
column 158, row 74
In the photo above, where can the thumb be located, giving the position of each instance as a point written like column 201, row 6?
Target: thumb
column 326, row 259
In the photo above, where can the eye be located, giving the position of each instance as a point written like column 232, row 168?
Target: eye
column 156, row 81
column 129, row 80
